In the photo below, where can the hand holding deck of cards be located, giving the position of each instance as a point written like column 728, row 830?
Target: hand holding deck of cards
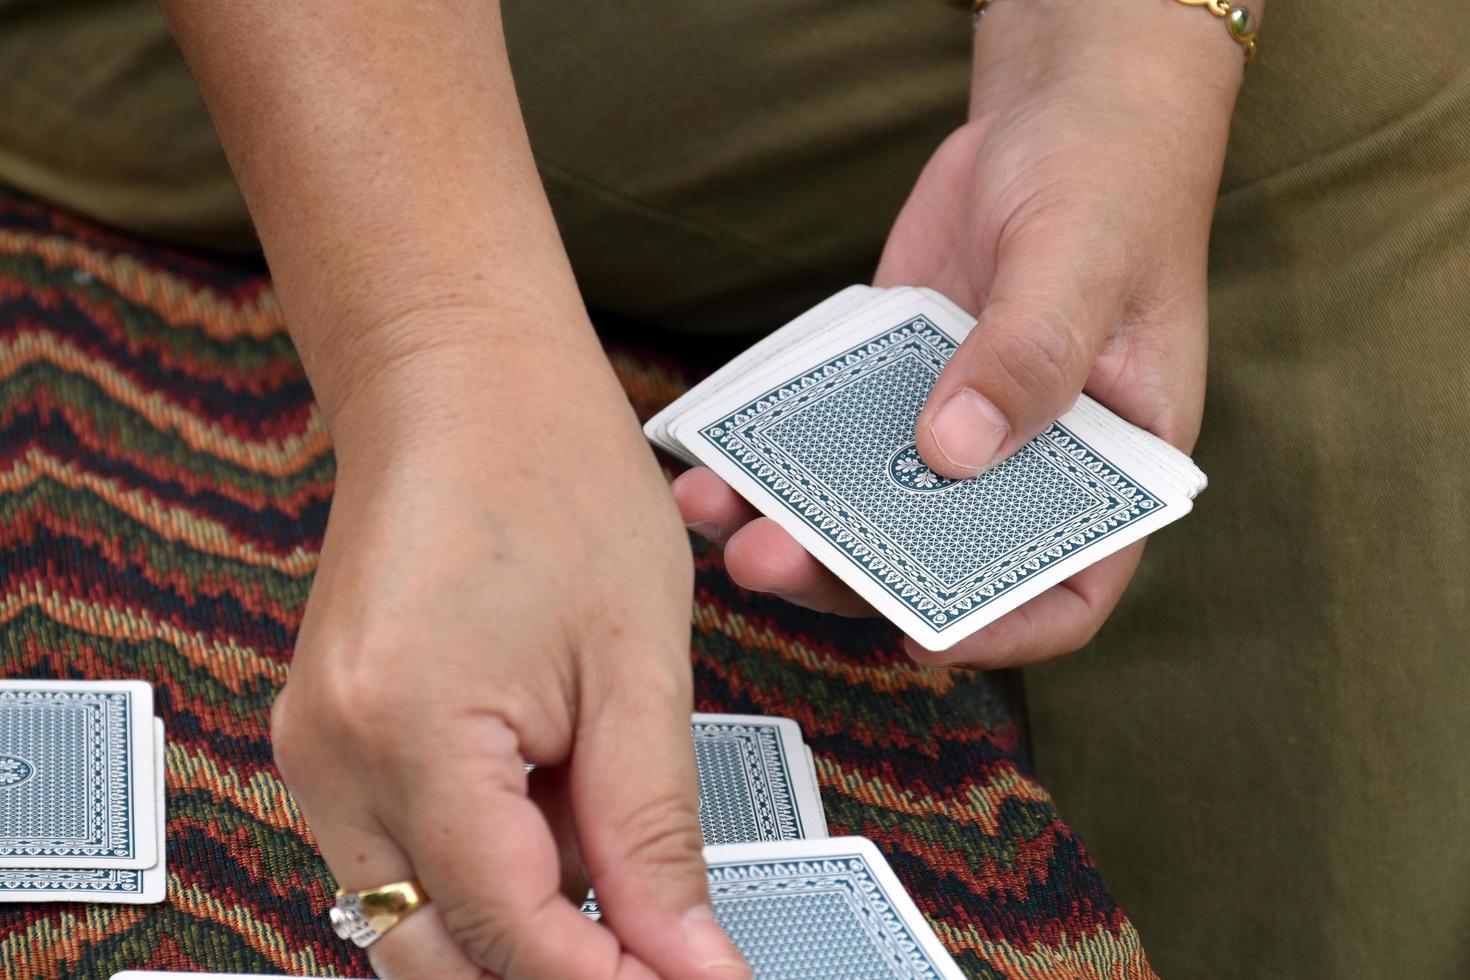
column 815, row 427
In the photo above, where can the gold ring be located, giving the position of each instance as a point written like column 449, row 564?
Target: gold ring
column 364, row 916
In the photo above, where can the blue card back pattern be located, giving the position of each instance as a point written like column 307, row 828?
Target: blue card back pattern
column 745, row 789
column 816, row 918
column 835, row 446
column 65, row 774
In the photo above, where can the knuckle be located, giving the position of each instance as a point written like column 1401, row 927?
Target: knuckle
column 1081, row 635
column 1038, row 351
column 498, row 742
column 321, row 712
column 292, row 739
column 661, row 839
column 650, row 691
column 486, row 937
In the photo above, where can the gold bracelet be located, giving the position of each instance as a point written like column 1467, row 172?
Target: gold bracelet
column 1240, row 21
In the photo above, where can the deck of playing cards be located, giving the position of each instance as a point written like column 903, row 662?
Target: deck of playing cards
column 814, row 425
column 81, row 792
column 757, row 783
column 796, row 903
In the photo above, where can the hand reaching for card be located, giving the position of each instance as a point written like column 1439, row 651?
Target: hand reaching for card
column 479, row 606
column 1071, row 214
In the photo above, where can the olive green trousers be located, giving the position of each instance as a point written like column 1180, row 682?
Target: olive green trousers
column 1268, row 746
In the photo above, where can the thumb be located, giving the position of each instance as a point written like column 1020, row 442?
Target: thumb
column 1052, row 305
column 636, row 803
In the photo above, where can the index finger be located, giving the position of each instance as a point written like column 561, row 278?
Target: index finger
column 636, row 801
column 486, row 856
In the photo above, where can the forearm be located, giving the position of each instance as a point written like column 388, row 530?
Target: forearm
column 381, row 151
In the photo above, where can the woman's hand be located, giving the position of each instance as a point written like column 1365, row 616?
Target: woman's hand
column 480, row 606
column 1071, row 214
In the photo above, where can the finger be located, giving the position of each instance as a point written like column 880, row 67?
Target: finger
column 362, row 855
column 711, row 508
column 763, row 557
column 419, row 946
column 1153, row 374
column 550, row 790
column 1061, row 619
column 487, row 856
column 636, row 802
column 1055, row 299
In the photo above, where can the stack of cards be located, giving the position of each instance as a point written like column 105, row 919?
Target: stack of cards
column 81, row 792
column 757, row 780
column 757, row 783
column 803, row 910
column 814, row 426
column 796, row 902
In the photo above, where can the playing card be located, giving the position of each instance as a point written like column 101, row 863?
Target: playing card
column 830, row 310
column 860, row 304
column 811, row 768
column 77, row 775
column 134, row 886
column 822, row 908
column 822, row 441
column 754, row 780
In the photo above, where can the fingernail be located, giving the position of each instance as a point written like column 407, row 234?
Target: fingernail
column 969, row 431
column 709, row 944
column 707, row 529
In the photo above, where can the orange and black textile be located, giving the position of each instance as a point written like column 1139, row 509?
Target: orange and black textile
column 164, row 485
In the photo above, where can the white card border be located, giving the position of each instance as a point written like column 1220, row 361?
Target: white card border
column 877, row 306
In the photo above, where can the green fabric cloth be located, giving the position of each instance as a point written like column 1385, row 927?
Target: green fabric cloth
column 98, row 114
column 1267, row 747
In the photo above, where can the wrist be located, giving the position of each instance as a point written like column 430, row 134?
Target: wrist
column 1161, row 50
column 441, row 387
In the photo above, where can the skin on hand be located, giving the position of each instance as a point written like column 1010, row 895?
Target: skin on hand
column 470, row 612
column 448, row 641
column 1071, row 215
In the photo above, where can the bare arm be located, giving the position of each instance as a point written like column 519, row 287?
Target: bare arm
column 470, row 612
column 382, row 153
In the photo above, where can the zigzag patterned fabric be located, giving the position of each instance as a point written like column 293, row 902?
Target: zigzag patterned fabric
column 164, row 484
